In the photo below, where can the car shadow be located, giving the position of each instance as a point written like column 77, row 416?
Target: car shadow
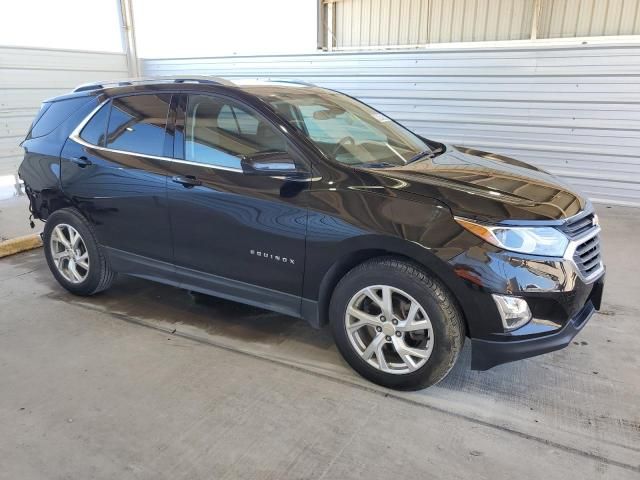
column 249, row 328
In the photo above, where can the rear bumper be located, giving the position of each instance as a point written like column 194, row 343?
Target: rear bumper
column 489, row 353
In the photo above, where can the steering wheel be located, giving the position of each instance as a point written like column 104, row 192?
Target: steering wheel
column 341, row 144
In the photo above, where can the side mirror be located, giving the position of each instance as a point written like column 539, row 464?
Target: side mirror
column 271, row 163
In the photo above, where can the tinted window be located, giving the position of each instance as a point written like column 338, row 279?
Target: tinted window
column 333, row 131
column 56, row 113
column 227, row 120
column 43, row 108
column 343, row 128
column 220, row 131
column 94, row 131
column 236, row 120
column 137, row 124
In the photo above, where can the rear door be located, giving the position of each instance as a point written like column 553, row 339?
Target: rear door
column 114, row 169
column 240, row 235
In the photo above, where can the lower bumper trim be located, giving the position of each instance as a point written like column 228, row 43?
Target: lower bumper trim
column 486, row 354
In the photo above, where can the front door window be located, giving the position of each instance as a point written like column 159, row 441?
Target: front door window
column 220, row 132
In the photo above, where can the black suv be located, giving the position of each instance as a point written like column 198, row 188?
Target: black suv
column 307, row 202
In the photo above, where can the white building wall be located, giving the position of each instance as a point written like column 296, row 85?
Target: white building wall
column 30, row 75
column 573, row 110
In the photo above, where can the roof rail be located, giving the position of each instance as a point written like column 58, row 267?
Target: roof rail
column 169, row 78
column 195, row 79
column 293, row 81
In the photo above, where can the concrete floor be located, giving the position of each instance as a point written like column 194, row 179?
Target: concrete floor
column 145, row 381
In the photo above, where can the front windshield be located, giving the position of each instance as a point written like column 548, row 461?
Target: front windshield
column 344, row 129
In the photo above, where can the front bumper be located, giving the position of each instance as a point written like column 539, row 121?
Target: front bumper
column 489, row 353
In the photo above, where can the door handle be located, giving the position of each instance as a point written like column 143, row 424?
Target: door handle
column 81, row 161
column 187, row 181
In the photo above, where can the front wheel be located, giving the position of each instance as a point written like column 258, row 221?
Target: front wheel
column 396, row 325
column 73, row 254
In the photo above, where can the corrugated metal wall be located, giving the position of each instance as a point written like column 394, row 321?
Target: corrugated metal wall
column 417, row 22
column 478, row 20
column 574, row 110
column 360, row 23
column 588, row 18
column 28, row 76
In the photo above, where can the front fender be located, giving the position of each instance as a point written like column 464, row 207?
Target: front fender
column 419, row 229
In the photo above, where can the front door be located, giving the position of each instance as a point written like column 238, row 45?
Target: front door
column 236, row 233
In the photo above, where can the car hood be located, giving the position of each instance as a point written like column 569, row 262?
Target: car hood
column 487, row 186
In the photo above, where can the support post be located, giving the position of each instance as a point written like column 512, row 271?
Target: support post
column 535, row 19
column 321, row 16
column 331, row 25
column 128, row 36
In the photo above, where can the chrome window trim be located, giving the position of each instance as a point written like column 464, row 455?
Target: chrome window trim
column 571, row 250
column 75, row 136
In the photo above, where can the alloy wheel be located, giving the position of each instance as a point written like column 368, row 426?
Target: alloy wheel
column 389, row 329
column 69, row 253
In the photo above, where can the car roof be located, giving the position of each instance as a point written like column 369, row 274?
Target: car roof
column 192, row 83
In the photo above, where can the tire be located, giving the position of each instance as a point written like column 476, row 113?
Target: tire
column 433, row 330
column 89, row 261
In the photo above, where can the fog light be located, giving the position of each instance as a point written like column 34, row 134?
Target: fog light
column 514, row 311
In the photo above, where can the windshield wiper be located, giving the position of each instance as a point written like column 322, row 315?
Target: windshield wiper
column 426, row 154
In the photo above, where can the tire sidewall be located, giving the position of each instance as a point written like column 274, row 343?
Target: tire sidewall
column 445, row 329
column 70, row 217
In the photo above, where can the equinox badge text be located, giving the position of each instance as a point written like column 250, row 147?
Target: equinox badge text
column 270, row 256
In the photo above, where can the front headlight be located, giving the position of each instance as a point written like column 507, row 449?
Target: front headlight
column 545, row 241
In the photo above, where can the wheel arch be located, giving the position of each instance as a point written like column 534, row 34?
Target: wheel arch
column 397, row 248
column 44, row 202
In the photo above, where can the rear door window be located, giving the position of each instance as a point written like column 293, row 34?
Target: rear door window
column 94, row 131
column 137, row 123
column 53, row 114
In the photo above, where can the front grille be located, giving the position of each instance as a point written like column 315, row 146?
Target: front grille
column 587, row 256
column 575, row 228
column 583, row 232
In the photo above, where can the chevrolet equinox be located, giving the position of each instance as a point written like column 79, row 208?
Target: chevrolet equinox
column 307, row 202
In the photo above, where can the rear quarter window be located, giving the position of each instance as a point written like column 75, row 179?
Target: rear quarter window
column 54, row 114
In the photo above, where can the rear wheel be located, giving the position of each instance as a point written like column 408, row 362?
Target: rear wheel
column 396, row 325
column 74, row 255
